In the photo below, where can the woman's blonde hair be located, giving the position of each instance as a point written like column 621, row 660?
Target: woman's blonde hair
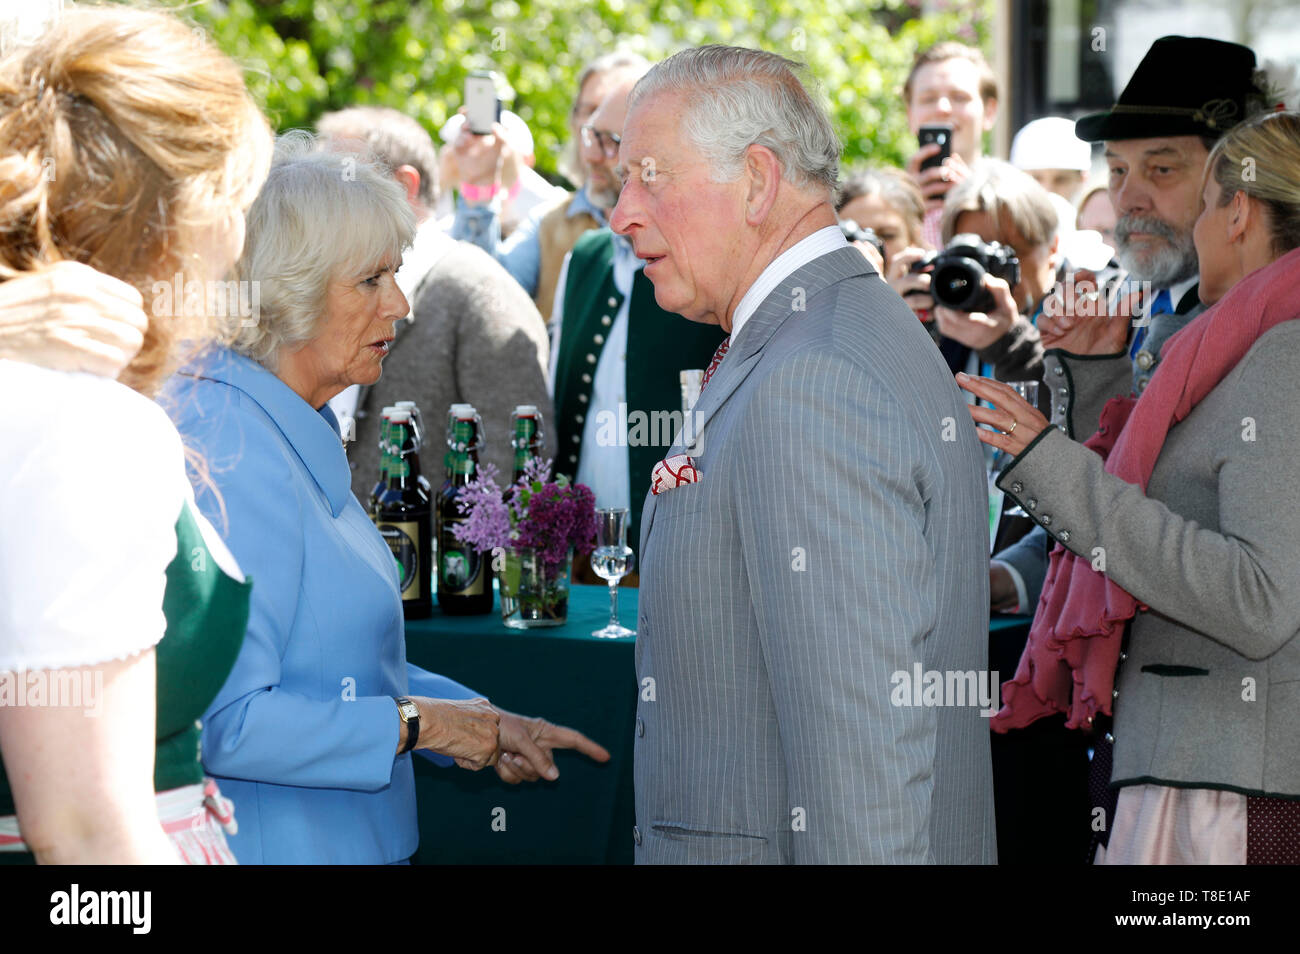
column 1261, row 157
column 124, row 135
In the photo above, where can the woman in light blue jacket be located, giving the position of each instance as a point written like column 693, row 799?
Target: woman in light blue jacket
column 310, row 734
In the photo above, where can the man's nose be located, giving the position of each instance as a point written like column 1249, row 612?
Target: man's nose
column 1131, row 196
column 620, row 220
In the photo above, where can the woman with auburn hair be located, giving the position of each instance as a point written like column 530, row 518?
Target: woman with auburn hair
column 1174, row 596
column 130, row 145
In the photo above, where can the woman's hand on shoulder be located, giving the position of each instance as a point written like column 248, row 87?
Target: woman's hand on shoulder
column 70, row 317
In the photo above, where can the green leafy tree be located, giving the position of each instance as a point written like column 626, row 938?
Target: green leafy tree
column 308, row 56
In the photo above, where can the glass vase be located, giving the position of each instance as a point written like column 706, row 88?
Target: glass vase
column 533, row 594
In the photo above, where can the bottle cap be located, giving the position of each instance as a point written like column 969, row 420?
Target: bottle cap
column 400, row 416
column 526, row 410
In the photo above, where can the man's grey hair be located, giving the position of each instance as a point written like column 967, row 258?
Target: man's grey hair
column 608, row 63
column 736, row 98
column 321, row 216
column 1005, row 194
column 392, row 137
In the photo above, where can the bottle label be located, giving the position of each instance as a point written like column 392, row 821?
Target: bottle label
column 404, row 539
column 462, row 568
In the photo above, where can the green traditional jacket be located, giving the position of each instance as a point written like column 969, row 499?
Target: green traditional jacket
column 659, row 346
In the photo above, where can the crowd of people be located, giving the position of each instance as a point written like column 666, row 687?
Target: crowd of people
column 858, row 407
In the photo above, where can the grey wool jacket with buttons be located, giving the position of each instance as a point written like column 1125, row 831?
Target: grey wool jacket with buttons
column 1208, row 695
column 1080, row 386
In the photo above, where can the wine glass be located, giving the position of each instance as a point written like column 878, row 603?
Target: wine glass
column 1029, row 391
column 612, row 560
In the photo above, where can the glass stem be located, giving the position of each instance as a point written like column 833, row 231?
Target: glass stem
column 613, row 603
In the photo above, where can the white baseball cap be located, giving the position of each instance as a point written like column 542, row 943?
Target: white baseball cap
column 1050, row 143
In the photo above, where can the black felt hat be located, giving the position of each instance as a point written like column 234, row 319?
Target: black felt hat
column 1184, row 86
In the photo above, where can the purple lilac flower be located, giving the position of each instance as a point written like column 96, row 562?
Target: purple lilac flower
column 487, row 523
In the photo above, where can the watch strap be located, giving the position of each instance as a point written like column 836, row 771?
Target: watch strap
column 412, row 723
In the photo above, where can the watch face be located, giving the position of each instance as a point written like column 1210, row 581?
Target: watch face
column 409, row 710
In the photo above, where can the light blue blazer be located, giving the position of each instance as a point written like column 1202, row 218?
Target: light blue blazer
column 303, row 734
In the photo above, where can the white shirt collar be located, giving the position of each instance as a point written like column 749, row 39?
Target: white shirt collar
column 782, row 267
column 1176, row 292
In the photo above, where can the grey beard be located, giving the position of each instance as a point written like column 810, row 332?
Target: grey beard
column 1161, row 267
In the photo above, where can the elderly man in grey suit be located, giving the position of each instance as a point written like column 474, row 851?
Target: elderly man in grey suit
column 827, row 537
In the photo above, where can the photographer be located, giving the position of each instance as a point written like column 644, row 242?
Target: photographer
column 999, row 203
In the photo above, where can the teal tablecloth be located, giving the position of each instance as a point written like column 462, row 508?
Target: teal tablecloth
column 567, row 676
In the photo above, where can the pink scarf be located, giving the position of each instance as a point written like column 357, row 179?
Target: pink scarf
column 1074, row 642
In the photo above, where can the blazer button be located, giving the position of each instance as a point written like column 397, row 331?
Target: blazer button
column 573, row 458
column 1110, row 738
column 636, row 835
column 1057, row 369
column 640, row 729
column 1063, row 392
column 582, row 398
column 606, row 320
column 586, row 379
column 613, row 302
column 1144, row 359
column 1017, row 487
column 1064, row 536
column 1045, row 519
column 1142, row 383
column 591, row 359
column 1032, row 503
column 599, row 339
column 578, row 418
column 1123, row 656
column 1061, row 409
column 1114, row 693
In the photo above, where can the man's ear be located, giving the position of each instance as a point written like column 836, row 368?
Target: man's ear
column 990, row 113
column 408, row 177
column 1054, row 253
column 763, row 179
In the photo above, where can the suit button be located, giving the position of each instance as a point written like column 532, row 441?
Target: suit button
column 605, row 320
column 1064, row 392
column 573, row 458
column 582, row 399
column 1145, row 359
column 1058, row 370
column 1045, row 519
column 578, row 418
column 1110, row 738
column 586, row 379
column 1123, row 656
column 1061, row 428
column 591, row 359
column 640, row 729
column 1017, row 487
column 599, row 339
column 575, row 438
column 613, row 302
column 1142, row 383
column 1032, row 503
column 1114, row 693
column 1061, row 409
column 636, row 835
column 1064, row 536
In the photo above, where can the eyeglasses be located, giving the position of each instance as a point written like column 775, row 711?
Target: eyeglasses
column 608, row 141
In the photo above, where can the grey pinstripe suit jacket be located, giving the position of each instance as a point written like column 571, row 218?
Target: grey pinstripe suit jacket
column 838, row 535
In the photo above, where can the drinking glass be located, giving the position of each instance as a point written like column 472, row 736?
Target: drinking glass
column 612, row 560
column 1029, row 391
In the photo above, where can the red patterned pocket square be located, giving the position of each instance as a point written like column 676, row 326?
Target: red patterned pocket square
column 673, row 472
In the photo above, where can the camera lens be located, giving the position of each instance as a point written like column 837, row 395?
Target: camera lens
column 958, row 284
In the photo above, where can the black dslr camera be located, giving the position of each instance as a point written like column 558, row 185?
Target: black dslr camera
column 856, row 233
column 957, row 273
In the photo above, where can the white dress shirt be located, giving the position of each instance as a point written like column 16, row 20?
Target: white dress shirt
column 603, row 463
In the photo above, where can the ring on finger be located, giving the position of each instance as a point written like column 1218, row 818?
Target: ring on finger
column 1012, row 429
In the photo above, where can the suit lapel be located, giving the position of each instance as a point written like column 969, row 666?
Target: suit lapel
column 788, row 299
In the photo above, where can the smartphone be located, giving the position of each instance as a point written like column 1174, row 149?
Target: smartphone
column 940, row 136
column 482, row 108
